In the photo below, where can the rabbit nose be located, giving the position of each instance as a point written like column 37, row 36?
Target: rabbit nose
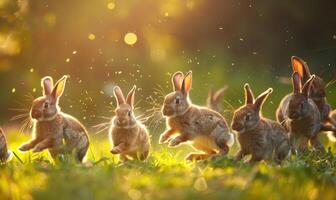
column 121, row 121
column 237, row 126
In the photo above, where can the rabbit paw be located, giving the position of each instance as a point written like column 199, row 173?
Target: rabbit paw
column 174, row 142
column 163, row 138
column 37, row 148
column 115, row 150
column 25, row 147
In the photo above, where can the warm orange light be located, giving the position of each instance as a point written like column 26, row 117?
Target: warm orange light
column 297, row 67
column 130, row 38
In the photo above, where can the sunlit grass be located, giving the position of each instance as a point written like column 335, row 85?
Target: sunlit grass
column 165, row 175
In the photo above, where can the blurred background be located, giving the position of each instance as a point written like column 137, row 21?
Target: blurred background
column 104, row 43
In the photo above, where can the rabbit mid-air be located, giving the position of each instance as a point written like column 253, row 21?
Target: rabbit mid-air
column 317, row 92
column 301, row 117
column 5, row 154
column 214, row 97
column 129, row 137
column 206, row 129
column 52, row 127
column 262, row 138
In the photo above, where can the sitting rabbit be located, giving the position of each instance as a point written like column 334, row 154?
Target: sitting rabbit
column 262, row 138
column 128, row 136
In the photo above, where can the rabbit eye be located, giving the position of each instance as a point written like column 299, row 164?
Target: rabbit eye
column 302, row 105
column 46, row 105
column 248, row 117
column 177, row 100
column 129, row 113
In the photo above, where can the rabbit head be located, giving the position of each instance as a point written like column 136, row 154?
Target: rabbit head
column 177, row 102
column 124, row 116
column 45, row 108
column 317, row 91
column 248, row 116
column 298, row 105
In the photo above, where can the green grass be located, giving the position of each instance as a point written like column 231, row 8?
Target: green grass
column 165, row 175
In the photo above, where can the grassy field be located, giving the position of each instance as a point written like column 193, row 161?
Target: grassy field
column 165, row 175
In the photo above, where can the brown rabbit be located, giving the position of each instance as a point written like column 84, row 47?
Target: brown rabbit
column 317, row 91
column 5, row 154
column 52, row 127
column 214, row 97
column 130, row 138
column 206, row 129
column 262, row 138
column 300, row 116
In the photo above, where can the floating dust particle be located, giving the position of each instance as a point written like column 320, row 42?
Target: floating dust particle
column 31, row 69
column 13, row 90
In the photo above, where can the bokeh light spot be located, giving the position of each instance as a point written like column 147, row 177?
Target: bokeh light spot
column 91, row 36
column 130, row 38
column 111, row 5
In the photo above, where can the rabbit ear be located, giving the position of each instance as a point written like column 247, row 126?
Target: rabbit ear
column 249, row 98
column 47, row 85
column 307, row 86
column 59, row 87
column 296, row 82
column 177, row 79
column 130, row 97
column 186, row 84
column 301, row 67
column 219, row 93
column 261, row 98
column 119, row 95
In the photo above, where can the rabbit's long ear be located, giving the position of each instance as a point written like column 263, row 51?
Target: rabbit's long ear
column 301, row 67
column 307, row 86
column 130, row 97
column 59, row 87
column 296, row 82
column 186, row 84
column 47, row 85
column 119, row 95
column 249, row 98
column 219, row 93
column 261, row 98
column 177, row 79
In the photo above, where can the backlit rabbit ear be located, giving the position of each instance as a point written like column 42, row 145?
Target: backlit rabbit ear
column 296, row 82
column 261, row 98
column 301, row 67
column 119, row 95
column 130, row 97
column 186, row 84
column 307, row 86
column 47, row 85
column 249, row 98
column 219, row 93
column 177, row 79
column 59, row 87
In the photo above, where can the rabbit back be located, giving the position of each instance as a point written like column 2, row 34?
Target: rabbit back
column 75, row 136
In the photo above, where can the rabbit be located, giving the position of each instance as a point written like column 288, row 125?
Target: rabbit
column 262, row 138
column 129, row 137
column 5, row 154
column 51, row 126
column 317, row 91
column 301, row 117
column 214, row 98
column 206, row 129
